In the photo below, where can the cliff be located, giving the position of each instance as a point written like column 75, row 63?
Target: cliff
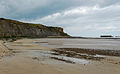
column 12, row 28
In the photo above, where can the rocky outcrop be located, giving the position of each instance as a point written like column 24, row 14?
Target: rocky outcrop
column 12, row 28
column 4, row 50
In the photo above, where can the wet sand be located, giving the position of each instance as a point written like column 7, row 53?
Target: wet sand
column 31, row 56
column 111, row 44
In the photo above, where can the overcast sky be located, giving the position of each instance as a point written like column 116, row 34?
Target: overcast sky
column 77, row 17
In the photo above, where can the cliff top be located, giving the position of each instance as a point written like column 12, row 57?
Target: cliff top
column 22, row 23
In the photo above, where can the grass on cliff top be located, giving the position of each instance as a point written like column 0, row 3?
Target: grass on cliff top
column 15, row 22
column 21, row 23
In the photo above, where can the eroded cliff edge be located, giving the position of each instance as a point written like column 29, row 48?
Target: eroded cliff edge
column 12, row 28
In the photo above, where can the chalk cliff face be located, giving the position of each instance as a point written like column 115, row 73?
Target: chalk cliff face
column 11, row 28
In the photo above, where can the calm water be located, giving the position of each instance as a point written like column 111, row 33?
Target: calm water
column 112, row 44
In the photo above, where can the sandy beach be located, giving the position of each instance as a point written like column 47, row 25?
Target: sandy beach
column 38, row 56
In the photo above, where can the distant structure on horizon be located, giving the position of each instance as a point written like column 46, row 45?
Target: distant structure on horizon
column 106, row 36
column 117, row 36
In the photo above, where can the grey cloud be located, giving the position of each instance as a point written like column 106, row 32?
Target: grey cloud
column 86, row 19
column 102, row 15
column 18, row 9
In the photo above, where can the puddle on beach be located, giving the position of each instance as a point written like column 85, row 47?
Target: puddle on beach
column 73, row 56
column 47, row 57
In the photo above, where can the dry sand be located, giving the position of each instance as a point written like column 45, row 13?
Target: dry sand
column 25, row 61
